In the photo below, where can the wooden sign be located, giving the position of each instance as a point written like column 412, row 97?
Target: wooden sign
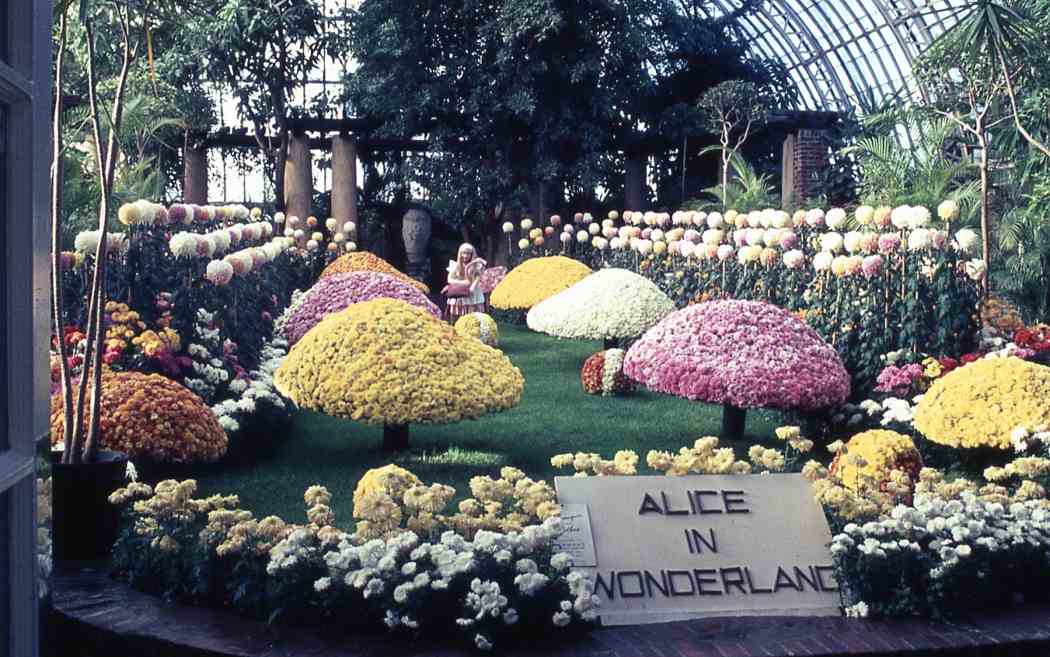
column 671, row 548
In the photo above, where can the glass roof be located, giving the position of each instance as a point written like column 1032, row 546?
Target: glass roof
column 843, row 53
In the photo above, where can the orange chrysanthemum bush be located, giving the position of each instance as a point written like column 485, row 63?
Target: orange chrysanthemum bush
column 878, row 460
column 537, row 279
column 602, row 374
column 151, row 417
column 1001, row 315
column 365, row 261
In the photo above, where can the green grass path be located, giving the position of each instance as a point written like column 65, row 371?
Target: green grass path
column 555, row 416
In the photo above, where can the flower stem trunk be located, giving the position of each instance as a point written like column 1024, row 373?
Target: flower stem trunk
column 395, row 437
column 734, row 421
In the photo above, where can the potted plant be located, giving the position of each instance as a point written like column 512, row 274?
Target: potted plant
column 83, row 475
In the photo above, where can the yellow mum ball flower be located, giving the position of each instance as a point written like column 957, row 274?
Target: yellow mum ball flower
column 980, row 404
column 393, row 480
column 479, row 326
column 872, row 457
column 523, row 244
column 387, row 362
column 537, row 279
column 365, row 261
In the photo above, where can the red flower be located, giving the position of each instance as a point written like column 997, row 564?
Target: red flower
column 110, row 357
column 969, row 358
column 948, row 364
column 1022, row 337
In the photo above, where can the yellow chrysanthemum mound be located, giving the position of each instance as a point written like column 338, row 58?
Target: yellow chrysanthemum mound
column 387, row 362
column 980, row 405
column 479, row 326
column 537, row 279
column 870, row 458
column 390, row 479
column 365, row 261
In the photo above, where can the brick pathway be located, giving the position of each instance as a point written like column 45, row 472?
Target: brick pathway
column 95, row 616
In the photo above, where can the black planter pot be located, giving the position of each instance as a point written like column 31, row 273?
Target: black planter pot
column 84, row 523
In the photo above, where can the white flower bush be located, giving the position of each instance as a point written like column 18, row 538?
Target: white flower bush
column 611, row 303
column 965, row 553
column 486, row 587
column 210, row 373
column 258, row 389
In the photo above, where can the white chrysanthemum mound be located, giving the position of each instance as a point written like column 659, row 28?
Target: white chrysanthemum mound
column 611, row 303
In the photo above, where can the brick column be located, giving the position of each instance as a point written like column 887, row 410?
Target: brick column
column 810, row 158
column 787, row 172
column 298, row 178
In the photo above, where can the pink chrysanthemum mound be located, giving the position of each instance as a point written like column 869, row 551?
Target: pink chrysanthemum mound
column 337, row 292
column 491, row 278
column 747, row 354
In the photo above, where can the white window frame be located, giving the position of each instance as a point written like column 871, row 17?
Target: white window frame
column 25, row 94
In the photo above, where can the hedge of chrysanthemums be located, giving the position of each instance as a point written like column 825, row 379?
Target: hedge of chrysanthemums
column 193, row 293
column 871, row 281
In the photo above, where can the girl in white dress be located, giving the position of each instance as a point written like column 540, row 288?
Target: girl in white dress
column 464, row 291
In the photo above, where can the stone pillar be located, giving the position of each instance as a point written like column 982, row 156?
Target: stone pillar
column 809, row 160
column 194, row 174
column 787, row 172
column 415, row 232
column 298, row 178
column 344, row 180
column 634, row 183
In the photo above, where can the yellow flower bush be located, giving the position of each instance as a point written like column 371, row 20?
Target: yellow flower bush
column 979, row 405
column 125, row 325
column 624, row 463
column 155, row 342
column 871, row 459
column 150, row 416
column 391, row 499
column 479, row 326
column 390, row 479
column 535, row 280
column 387, row 362
column 365, row 261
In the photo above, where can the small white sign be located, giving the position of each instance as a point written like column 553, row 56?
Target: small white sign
column 577, row 539
column 670, row 548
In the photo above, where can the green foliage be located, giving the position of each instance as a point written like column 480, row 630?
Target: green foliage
column 733, row 106
column 520, row 94
column 933, row 170
column 747, row 189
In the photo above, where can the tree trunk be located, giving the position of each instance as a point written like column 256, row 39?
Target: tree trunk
column 734, row 421
column 395, row 437
column 56, row 244
column 985, row 211
column 725, row 167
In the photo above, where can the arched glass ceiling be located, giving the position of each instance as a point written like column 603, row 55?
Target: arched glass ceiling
column 844, row 53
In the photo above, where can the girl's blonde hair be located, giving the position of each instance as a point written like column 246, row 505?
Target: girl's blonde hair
column 461, row 271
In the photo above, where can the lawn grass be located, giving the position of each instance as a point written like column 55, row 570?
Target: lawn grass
column 555, row 416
